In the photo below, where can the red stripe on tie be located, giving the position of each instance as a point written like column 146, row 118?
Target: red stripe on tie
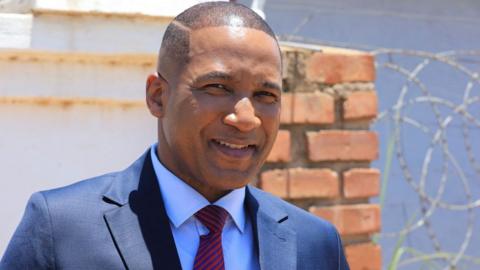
column 208, row 261
column 210, row 254
column 204, row 253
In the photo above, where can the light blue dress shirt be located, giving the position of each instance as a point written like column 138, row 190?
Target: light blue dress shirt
column 182, row 202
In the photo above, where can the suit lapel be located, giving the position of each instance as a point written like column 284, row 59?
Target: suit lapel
column 141, row 230
column 277, row 245
column 140, row 226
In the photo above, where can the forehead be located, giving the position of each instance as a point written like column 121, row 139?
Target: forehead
column 234, row 43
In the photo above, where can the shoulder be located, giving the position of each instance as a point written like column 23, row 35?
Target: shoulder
column 93, row 189
column 64, row 207
column 85, row 189
column 47, row 213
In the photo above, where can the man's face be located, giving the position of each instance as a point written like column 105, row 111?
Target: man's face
column 222, row 110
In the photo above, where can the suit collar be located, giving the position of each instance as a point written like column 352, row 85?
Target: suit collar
column 276, row 241
column 139, row 226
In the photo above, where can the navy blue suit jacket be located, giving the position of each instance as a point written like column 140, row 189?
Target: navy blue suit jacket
column 118, row 221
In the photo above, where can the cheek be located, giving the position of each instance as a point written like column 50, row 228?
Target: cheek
column 213, row 107
column 193, row 114
column 270, row 116
column 184, row 107
column 181, row 118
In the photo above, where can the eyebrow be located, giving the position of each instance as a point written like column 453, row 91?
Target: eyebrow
column 213, row 75
column 272, row 85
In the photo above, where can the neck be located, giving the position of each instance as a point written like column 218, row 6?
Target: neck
column 209, row 193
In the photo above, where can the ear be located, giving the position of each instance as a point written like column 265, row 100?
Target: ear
column 156, row 95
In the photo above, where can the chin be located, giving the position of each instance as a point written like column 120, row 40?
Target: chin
column 229, row 180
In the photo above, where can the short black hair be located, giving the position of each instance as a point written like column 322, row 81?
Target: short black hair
column 176, row 39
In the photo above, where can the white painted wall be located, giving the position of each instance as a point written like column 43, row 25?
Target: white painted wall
column 119, row 77
column 72, row 84
column 166, row 8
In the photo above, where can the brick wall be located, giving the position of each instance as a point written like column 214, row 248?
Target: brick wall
column 321, row 159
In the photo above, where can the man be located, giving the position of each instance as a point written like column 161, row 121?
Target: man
column 185, row 203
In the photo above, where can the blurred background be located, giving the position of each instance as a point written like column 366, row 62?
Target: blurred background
column 72, row 77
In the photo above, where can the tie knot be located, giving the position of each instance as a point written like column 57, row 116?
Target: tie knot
column 213, row 217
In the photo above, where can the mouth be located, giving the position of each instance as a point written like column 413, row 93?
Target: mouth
column 235, row 150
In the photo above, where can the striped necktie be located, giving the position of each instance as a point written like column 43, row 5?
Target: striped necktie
column 210, row 254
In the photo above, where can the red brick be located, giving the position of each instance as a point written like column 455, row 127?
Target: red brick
column 281, row 148
column 313, row 108
column 365, row 256
column 313, row 183
column 286, row 112
column 351, row 219
column 275, row 182
column 360, row 105
column 361, row 183
column 341, row 145
column 337, row 67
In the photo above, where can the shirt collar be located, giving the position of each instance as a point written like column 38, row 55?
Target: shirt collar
column 182, row 201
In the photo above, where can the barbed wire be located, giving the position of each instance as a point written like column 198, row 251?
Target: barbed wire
column 429, row 204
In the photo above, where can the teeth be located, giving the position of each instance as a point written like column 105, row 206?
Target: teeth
column 233, row 146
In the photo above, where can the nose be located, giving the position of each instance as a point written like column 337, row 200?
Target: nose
column 243, row 116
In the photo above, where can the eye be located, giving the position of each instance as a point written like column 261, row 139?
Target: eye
column 266, row 97
column 216, row 89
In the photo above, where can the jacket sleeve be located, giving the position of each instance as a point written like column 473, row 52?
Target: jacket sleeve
column 31, row 246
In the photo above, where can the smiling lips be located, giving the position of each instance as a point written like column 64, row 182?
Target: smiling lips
column 234, row 150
